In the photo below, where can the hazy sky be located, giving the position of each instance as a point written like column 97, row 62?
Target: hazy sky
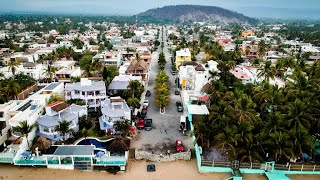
column 254, row 8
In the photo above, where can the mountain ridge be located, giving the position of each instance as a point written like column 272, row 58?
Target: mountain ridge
column 195, row 13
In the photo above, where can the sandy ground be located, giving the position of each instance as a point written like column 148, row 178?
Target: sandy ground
column 136, row 170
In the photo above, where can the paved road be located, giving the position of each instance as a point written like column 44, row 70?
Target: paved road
column 165, row 126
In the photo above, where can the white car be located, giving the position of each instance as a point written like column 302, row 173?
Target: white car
column 146, row 102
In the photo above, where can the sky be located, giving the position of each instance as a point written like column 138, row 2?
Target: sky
column 252, row 8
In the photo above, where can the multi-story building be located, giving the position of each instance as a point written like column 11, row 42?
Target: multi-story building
column 182, row 55
column 57, row 112
column 4, row 122
column 92, row 92
column 193, row 76
column 67, row 69
column 113, row 109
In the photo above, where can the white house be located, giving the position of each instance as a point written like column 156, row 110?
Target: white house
column 113, row 109
column 193, row 76
column 92, row 92
column 4, row 120
column 57, row 112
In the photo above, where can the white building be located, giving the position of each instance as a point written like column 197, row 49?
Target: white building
column 57, row 112
column 92, row 92
column 193, row 76
column 113, row 109
column 4, row 120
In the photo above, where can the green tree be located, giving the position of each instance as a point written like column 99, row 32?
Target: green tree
column 13, row 65
column 24, row 128
column 64, row 128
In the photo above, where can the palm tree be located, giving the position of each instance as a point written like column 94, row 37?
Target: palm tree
column 268, row 71
column 63, row 127
column 262, row 48
column 24, row 128
column 12, row 65
column 49, row 72
column 282, row 147
column 12, row 89
column 123, row 127
column 135, row 87
column 134, row 103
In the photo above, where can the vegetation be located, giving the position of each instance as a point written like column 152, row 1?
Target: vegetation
column 109, row 73
column 162, row 91
column 11, row 87
column 64, row 128
column 24, row 128
column 254, row 123
column 123, row 127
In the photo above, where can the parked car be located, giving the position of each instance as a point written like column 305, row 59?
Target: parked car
column 177, row 92
column 179, row 106
column 146, row 102
column 148, row 93
column 143, row 113
column 148, row 124
column 141, row 124
column 179, row 146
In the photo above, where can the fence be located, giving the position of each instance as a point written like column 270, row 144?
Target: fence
column 24, row 94
column 139, row 154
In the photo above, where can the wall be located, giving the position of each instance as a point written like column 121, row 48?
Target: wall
column 24, row 94
column 140, row 154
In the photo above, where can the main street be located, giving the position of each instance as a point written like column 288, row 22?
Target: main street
column 165, row 126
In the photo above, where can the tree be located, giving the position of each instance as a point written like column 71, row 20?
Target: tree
column 262, row 48
column 12, row 65
column 64, row 128
column 24, row 128
column 49, row 72
column 136, row 88
column 268, row 71
column 78, row 43
column 123, row 127
column 12, row 89
column 134, row 103
column 86, row 65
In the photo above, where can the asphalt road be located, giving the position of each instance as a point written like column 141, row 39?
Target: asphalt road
column 165, row 126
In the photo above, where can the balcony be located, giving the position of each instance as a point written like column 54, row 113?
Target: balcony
column 30, row 161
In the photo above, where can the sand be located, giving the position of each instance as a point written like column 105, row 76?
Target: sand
column 136, row 170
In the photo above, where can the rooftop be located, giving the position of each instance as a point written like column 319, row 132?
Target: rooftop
column 95, row 86
column 71, row 150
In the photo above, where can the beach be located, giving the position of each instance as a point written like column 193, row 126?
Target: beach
column 136, row 170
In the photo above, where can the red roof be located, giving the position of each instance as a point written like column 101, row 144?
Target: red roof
column 54, row 104
column 204, row 98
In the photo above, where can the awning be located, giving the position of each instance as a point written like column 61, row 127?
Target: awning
column 197, row 109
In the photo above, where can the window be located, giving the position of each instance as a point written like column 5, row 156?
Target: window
column 76, row 92
column 83, row 93
column 1, row 114
column 46, row 129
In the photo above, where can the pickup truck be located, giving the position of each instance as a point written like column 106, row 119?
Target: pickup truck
column 148, row 124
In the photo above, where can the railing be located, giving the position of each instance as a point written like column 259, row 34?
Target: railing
column 82, row 159
column 30, row 162
column 110, row 163
column 282, row 167
column 53, row 161
column 6, row 160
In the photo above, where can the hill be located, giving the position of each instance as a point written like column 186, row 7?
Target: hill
column 194, row 13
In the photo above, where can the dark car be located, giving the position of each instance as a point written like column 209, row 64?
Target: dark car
column 179, row 106
column 176, row 92
column 148, row 93
column 148, row 124
column 143, row 113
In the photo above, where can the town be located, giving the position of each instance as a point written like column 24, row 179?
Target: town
column 94, row 94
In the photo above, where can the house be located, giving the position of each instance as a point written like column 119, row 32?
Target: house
column 91, row 92
column 34, row 70
column 109, row 58
column 242, row 73
column 145, row 56
column 138, row 68
column 193, row 76
column 182, row 55
column 57, row 112
column 66, row 70
column 113, row 109
column 5, row 127
column 244, row 34
column 121, row 82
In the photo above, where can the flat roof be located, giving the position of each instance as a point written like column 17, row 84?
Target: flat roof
column 197, row 109
column 72, row 150
column 52, row 86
